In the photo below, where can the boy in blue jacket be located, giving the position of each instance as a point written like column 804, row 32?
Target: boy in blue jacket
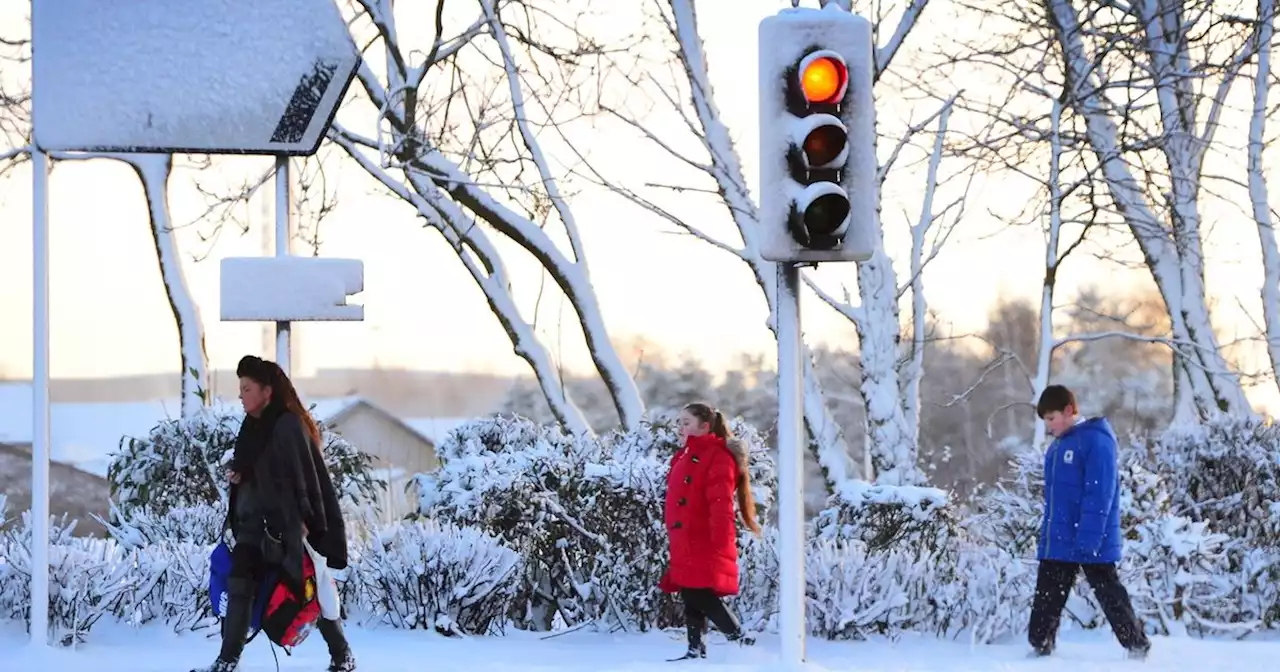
column 1081, row 528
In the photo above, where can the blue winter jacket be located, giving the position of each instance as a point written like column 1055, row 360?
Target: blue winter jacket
column 1082, row 496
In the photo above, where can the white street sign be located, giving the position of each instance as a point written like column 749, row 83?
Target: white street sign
column 290, row 289
column 188, row 76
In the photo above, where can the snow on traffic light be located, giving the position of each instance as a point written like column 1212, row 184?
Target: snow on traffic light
column 818, row 188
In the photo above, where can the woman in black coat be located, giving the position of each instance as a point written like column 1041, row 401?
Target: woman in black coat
column 280, row 493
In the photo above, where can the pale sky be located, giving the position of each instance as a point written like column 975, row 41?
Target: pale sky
column 423, row 311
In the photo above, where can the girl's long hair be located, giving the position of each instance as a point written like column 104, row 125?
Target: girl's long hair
column 284, row 396
column 720, row 427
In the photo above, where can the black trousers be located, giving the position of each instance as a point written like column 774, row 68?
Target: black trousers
column 1054, row 582
column 248, row 571
column 701, row 604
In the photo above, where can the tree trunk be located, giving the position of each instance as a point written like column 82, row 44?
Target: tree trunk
column 154, row 171
column 1259, row 194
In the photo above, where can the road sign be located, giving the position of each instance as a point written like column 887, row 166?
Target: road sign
column 290, row 289
column 188, row 76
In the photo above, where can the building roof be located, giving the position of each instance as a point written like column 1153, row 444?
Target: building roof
column 436, row 430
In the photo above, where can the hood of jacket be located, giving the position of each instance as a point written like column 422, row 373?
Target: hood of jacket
column 1099, row 425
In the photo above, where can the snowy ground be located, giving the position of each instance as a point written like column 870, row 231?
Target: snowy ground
column 116, row 648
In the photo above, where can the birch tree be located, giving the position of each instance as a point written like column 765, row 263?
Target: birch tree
column 154, row 172
column 890, row 377
column 458, row 111
column 1259, row 194
column 1149, row 81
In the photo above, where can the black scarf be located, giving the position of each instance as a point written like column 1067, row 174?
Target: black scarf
column 253, row 441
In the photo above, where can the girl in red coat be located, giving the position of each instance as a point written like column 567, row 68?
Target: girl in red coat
column 702, row 526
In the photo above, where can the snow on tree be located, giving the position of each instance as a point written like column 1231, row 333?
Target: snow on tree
column 439, row 149
column 1145, row 90
column 890, row 379
column 1259, row 192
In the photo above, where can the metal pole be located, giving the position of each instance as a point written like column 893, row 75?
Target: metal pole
column 40, row 400
column 284, row 353
column 791, row 443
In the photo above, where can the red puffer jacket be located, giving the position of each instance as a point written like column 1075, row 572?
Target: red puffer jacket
column 701, row 525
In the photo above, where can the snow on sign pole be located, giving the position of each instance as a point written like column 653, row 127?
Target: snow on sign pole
column 167, row 76
column 818, row 198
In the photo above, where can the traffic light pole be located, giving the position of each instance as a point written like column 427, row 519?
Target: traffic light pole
column 791, row 446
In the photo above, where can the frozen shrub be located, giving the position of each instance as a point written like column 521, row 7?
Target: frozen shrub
column 421, row 575
column 88, row 579
column 585, row 513
column 182, row 464
column 201, row 524
column 888, row 517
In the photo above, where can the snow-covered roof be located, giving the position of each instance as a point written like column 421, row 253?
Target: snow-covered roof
column 436, row 430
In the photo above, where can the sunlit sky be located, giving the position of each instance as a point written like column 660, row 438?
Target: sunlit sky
column 423, row 311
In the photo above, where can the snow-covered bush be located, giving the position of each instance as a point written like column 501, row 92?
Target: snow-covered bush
column 757, row 600
column 888, row 517
column 990, row 598
column 169, row 584
column 1225, row 472
column 201, row 524
column 422, row 575
column 1007, row 514
column 182, row 464
column 88, row 579
column 1182, row 580
column 584, row 512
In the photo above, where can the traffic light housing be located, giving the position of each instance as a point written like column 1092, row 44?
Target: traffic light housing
column 819, row 193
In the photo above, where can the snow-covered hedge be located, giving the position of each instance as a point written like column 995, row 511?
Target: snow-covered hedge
column 1200, row 513
column 410, row 575
column 449, row 579
column 584, row 512
column 182, row 464
column 526, row 526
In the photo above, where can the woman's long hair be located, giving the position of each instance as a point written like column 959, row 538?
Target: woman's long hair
column 720, row 427
column 284, row 396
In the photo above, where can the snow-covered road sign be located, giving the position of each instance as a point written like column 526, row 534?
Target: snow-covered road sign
column 290, row 289
column 193, row 76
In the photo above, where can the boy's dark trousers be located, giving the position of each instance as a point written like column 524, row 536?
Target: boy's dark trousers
column 1054, row 582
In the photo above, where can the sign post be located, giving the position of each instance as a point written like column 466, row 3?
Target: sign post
column 163, row 77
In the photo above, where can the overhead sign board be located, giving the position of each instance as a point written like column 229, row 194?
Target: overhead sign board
column 290, row 289
column 188, row 76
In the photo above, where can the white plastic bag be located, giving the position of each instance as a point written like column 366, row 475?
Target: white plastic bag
column 326, row 585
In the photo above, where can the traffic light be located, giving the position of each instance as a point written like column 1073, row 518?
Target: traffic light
column 819, row 192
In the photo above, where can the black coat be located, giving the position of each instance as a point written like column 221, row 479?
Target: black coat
column 285, row 485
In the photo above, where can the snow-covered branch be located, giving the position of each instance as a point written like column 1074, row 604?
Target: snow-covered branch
column 482, row 261
column 503, row 139
column 1174, row 252
column 913, row 368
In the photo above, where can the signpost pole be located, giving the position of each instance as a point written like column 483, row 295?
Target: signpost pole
column 40, row 426
column 284, row 330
